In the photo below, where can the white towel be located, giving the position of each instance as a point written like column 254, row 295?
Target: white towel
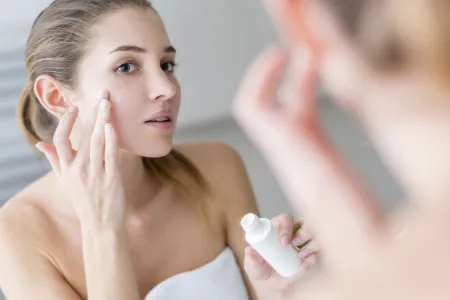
column 219, row 279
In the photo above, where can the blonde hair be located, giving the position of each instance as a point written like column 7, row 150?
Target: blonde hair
column 399, row 34
column 55, row 46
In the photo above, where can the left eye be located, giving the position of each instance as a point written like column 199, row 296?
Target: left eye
column 168, row 66
column 126, row 68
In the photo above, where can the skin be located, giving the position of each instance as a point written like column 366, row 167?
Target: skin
column 63, row 225
column 367, row 255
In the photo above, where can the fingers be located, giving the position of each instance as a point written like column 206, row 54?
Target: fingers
column 303, row 235
column 111, row 152
column 97, row 149
column 52, row 156
column 84, row 149
column 253, row 104
column 316, row 181
column 284, row 224
column 61, row 137
column 309, row 262
column 300, row 87
column 260, row 81
column 255, row 266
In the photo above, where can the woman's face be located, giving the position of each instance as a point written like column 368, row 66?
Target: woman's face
column 131, row 57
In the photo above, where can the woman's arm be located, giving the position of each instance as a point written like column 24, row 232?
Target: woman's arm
column 238, row 199
column 94, row 187
column 108, row 264
column 26, row 272
column 233, row 186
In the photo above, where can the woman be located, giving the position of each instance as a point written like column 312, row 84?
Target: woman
column 386, row 62
column 123, row 215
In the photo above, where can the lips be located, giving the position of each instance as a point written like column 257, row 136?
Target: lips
column 164, row 116
column 159, row 120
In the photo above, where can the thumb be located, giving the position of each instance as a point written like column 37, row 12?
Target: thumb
column 284, row 224
column 256, row 267
column 51, row 154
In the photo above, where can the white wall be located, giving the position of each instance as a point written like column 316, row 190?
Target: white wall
column 215, row 39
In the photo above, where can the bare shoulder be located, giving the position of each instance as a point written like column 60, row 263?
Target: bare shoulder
column 208, row 156
column 24, row 218
column 27, row 233
column 21, row 218
column 225, row 170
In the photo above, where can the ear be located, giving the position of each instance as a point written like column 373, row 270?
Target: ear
column 50, row 95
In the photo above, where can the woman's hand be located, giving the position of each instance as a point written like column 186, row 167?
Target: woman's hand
column 93, row 183
column 364, row 255
column 299, row 235
column 90, row 176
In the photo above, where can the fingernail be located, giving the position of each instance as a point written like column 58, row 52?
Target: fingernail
column 304, row 253
column 103, row 95
column 297, row 241
column 108, row 127
column 285, row 240
column 104, row 105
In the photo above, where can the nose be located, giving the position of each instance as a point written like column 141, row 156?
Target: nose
column 162, row 87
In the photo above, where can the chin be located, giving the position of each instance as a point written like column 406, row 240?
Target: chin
column 146, row 145
column 152, row 149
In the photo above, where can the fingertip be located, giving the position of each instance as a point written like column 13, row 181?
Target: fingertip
column 104, row 94
column 39, row 146
column 309, row 262
column 296, row 240
column 43, row 147
column 109, row 128
column 304, row 252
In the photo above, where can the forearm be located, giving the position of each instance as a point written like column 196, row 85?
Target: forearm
column 108, row 265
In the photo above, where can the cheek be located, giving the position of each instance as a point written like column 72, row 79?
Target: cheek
column 123, row 113
column 176, row 101
column 125, row 102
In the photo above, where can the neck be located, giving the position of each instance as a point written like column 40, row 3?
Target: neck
column 140, row 188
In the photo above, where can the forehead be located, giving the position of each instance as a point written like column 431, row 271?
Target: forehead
column 130, row 26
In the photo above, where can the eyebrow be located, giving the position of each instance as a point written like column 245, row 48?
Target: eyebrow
column 131, row 48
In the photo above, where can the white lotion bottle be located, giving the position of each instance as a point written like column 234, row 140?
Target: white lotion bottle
column 264, row 238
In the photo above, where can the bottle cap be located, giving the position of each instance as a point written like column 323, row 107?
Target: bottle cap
column 250, row 222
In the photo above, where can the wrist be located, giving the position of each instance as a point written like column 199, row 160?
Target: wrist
column 98, row 229
column 269, row 290
column 103, row 243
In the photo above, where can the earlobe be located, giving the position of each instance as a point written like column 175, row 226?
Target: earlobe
column 50, row 95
